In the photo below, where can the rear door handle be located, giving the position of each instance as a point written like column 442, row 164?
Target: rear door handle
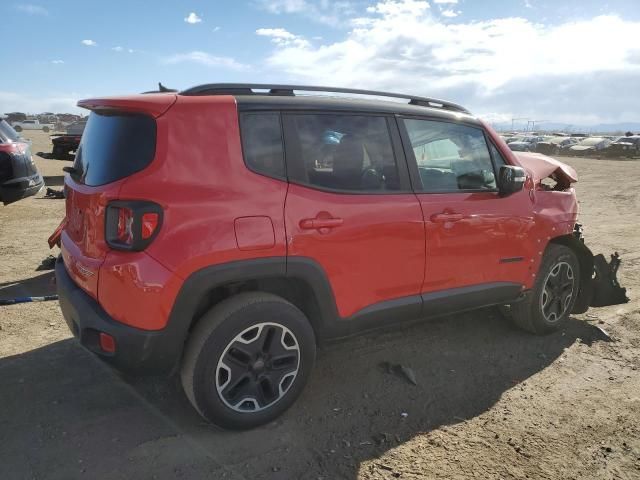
column 446, row 217
column 316, row 223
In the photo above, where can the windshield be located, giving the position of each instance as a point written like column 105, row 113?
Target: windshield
column 7, row 133
column 589, row 142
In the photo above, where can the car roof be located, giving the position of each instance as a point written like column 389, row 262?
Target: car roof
column 345, row 104
column 255, row 96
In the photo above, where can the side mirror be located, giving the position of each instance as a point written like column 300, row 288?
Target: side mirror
column 511, row 179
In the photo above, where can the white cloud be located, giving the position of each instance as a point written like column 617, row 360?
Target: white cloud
column 452, row 2
column 282, row 37
column 57, row 62
column 32, row 9
column 216, row 29
column 205, row 59
column 193, row 18
column 333, row 13
column 403, row 46
column 449, row 13
column 285, row 6
column 89, row 43
column 117, row 49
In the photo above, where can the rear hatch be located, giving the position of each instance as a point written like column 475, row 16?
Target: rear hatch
column 118, row 141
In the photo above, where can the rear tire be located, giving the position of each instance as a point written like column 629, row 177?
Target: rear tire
column 17, row 128
column 45, row 129
column 247, row 360
column 548, row 306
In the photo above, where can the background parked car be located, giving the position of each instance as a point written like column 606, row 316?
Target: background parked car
column 589, row 146
column 524, row 143
column 19, row 176
column 33, row 125
column 624, row 147
column 555, row 145
column 66, row 143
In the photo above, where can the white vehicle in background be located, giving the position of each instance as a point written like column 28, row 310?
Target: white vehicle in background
column 32, row 125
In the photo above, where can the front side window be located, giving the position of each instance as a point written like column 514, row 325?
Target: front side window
column 344, row 152
column 450, row 156
column 498, row 159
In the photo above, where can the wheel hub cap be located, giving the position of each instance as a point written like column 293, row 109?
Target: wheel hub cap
column 557, row 292
column 257, row 367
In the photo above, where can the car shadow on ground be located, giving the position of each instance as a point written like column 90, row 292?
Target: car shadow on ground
column 41, row 285
column 54, row 181
column 351, row 411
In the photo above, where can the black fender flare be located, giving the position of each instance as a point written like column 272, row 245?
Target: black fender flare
column 196, row 287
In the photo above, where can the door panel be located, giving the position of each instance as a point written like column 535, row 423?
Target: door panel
column 350, row 207
column 370, row 246
column 474, row 238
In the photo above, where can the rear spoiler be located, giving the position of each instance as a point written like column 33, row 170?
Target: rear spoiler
column 154, row 104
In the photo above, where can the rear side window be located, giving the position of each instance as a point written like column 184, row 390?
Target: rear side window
column 114, row 146
column 344, row 152
column 262, row 143
column 450, row 157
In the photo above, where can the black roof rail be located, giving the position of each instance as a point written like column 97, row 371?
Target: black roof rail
column 288, row 90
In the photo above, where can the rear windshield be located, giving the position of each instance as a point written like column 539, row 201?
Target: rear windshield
column 114, row 146
column 7, row 133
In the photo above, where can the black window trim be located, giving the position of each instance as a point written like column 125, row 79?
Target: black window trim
column 242, row 144
column 412, row 162
column 292, row 144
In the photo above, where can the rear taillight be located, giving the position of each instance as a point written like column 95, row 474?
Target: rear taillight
column 132, row 225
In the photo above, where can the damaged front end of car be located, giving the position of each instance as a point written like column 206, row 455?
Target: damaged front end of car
column 599, row 286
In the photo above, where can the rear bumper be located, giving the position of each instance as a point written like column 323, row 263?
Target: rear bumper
column 139, row 352
column 19, row 188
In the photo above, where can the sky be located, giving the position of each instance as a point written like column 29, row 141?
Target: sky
column 570, row 61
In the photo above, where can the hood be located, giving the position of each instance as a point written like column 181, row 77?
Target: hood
column 541, row 166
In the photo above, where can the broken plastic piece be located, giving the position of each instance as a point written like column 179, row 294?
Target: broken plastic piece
column 606, row 289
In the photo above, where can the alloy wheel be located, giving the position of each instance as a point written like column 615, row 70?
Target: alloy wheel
column 257, row 367
column 557, row 292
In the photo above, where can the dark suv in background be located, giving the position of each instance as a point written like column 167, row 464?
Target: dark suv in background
column 19, row 176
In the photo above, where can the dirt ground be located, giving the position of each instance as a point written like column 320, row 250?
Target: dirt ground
column 492, row 402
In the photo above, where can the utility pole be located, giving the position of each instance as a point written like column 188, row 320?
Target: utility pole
column 533, row 124
column 514, row 120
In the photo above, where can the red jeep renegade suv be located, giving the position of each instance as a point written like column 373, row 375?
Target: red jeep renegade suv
column 225, row 230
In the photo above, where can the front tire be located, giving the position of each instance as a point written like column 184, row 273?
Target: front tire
column 247, row 360
column 45, row 129
column 17, row 128
column 554, row 294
